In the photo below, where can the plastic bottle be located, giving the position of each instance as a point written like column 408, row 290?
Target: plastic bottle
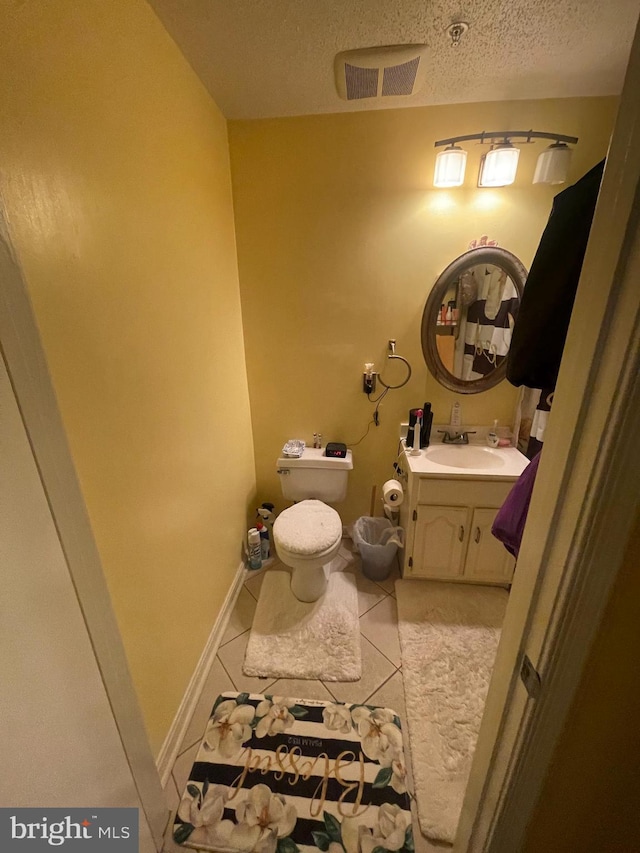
column 492, row 435
column 255, row 550
column 427, row 421
column 267, row 516
column 456, row 415
column 417, row 429
column 264, row 540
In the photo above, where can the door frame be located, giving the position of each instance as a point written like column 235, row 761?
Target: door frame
column 583, row 505
column 34, row 392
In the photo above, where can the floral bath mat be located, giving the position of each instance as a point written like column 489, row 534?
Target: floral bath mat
column 280, row 775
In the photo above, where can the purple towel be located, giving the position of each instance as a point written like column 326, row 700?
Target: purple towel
column 509, row 523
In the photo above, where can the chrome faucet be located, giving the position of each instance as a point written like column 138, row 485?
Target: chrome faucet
column 456, row 437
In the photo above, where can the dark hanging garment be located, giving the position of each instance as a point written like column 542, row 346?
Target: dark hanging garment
column 509, row 523
column 543, row 319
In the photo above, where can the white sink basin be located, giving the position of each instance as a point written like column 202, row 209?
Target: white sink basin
column 465, row 456
column 468, row 461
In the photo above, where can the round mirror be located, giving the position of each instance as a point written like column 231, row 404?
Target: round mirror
column 469, row 317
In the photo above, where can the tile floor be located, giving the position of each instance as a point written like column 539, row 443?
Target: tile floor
column 381, row 682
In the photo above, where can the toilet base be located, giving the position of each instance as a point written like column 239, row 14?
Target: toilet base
column 309, row 584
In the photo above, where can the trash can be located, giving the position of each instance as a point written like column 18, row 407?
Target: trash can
column 377, row 541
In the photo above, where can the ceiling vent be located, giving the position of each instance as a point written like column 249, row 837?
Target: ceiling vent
column 380, row 72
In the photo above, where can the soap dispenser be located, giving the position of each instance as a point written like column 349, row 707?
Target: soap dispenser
column 492, row 435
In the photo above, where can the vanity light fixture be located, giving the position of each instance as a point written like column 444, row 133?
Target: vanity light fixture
column 450, row 166
column 499, row 165
column 553, row 164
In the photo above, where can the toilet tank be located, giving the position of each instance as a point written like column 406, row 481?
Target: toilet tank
column 314, row 475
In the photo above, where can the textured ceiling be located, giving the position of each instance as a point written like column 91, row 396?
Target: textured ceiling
column 262, row 58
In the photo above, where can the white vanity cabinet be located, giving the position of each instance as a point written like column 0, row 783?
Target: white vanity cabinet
column 448, row 522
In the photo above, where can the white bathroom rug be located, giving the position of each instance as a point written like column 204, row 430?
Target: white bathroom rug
column 448, row 638
column 295, row 639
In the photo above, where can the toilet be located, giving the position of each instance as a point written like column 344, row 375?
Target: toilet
column 307, row 536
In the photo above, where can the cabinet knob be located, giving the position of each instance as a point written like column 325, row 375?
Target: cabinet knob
column 477, row 537
column 461, row 533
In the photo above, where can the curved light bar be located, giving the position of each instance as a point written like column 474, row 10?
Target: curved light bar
column 499, row 164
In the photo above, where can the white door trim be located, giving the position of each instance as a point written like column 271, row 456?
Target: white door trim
column 582, row 508
column 34, row 392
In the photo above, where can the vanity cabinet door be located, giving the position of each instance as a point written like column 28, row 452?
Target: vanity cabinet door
column 487, row 558
column 440, row 543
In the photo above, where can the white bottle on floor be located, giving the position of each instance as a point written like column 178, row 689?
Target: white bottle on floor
column 255, row 551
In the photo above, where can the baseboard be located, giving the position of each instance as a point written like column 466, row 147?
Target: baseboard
column 173, row 741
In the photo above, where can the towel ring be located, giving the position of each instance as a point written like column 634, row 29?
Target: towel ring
column 392, row 354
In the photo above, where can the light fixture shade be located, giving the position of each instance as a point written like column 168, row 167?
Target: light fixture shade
column 499, row 166
column 553, row 164
column 450, row 166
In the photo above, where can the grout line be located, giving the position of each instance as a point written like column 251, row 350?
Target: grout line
column 386, row 590
column 175, row 785
column 394, row 665
column 226, row 642
column 380, row 686
column 186, row 749
column 228, row 673
column 264, row 687
column 364, row 612
column 324, row 684
column 249, row 591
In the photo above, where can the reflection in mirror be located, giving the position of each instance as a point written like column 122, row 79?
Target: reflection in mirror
column 475, row 323
column 469, row 318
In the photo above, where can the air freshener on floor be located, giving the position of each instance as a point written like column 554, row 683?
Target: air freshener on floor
column 255, row 549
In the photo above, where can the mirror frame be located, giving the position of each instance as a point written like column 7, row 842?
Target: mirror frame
column 482, row 255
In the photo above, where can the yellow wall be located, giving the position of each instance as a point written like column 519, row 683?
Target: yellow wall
column 589, row 802
column 115, row 176
column 340, row 239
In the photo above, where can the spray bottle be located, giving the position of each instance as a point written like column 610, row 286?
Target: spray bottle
column 264, row 540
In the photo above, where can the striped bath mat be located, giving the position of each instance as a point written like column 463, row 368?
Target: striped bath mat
column 281, row 775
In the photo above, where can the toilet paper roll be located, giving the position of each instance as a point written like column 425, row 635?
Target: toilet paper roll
column 392, row 493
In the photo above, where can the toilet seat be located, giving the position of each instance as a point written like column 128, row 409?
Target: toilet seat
column 307, row 537
column 307, row 530
column 310, row 561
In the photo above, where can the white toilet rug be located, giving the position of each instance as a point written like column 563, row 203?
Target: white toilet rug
column 296, row 639
column 281, row 775
column 448, row 639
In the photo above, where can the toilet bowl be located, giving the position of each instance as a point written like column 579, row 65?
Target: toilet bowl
column 307, row 537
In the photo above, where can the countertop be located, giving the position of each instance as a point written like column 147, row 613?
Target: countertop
column 466, row 461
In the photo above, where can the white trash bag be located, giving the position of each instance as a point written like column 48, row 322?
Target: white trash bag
column 377, row 541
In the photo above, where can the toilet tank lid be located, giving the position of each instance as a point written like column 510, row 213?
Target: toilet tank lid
column 313, row 457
